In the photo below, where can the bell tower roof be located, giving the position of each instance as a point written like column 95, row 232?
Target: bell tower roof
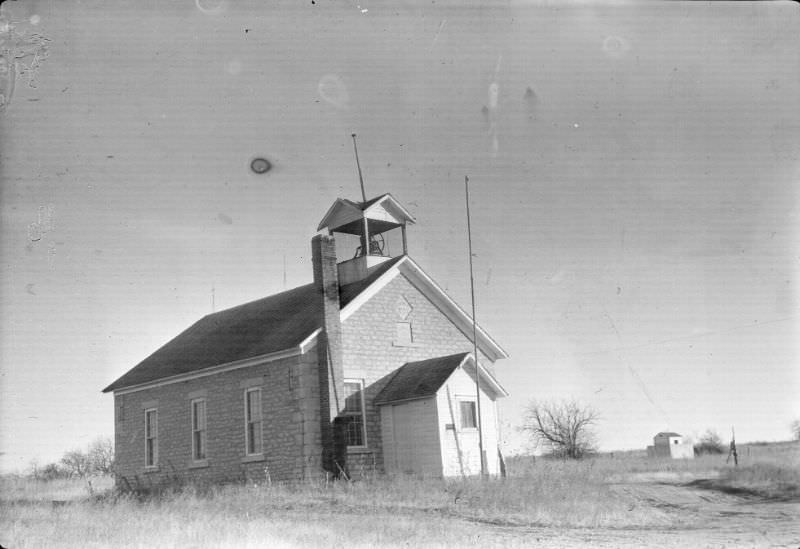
column 381, row 214
column 375, row 228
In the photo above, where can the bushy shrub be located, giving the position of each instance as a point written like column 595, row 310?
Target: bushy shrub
column 795, row 427
column 51, row 471
column 709, row 443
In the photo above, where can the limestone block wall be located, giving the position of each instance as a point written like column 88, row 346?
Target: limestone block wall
column 290, row 426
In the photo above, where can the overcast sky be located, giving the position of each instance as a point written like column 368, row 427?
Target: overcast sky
column 633, row 174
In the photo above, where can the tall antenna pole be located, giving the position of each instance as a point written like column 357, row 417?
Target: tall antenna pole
column 360, row 177
column 213, row 305
column 474, row 335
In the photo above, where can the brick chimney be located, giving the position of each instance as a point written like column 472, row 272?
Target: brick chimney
column 329, row 352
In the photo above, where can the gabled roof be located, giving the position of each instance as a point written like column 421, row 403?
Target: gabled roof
column 424, row 378
column 343, row 211
column 262, row 327
column 668, row 434
column 368, row 203
column 284, row 323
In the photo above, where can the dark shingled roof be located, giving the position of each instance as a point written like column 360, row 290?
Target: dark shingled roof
column 419, row 379
column 668, row 434
column 275, row 323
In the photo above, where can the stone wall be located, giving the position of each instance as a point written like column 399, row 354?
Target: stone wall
column 373, row 347
column 290, row 426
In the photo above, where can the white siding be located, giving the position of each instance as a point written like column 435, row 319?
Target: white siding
column 672, row 446
column 459, row 447
column 343, row 215
column 411, row 437
column 682, row 450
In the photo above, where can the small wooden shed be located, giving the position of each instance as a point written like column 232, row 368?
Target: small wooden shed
column 429, row 418
column 669, row 444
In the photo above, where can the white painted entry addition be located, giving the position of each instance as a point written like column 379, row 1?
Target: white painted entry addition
column 411, row 441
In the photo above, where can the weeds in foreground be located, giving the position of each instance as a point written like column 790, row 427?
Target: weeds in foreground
column 373, row 512
column 15, row 488
column 766, row 480
column 377, row 510
column 549, row 498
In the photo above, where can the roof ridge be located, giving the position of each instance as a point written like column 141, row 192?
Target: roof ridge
column 270, row 296
column 265, row 325
column 372, row 270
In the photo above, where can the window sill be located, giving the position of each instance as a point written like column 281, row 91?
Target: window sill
column 253, row 458
column 199, row 464
column 409, row 345
column 151, row 469
column 359, row 450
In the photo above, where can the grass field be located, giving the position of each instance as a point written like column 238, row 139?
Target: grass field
column 542, row 496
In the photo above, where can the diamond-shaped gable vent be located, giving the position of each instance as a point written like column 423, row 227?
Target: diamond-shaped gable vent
column 403, row 308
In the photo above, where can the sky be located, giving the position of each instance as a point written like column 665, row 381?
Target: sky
column 633, row 177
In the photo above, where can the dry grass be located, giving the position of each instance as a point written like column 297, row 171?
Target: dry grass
column 379, row 511
column 765, row 470
column 376, row 512
column 22, row 490
column 765, row 480
column 230, row 519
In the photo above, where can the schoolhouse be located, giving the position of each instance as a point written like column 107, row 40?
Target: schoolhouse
column 368, row 368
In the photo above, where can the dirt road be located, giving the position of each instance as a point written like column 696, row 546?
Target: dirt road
column 701, row 517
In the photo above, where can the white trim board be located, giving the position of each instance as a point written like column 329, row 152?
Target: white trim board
column 370, row 291
column 425, row 284
column 393, row 203
column 486, row 376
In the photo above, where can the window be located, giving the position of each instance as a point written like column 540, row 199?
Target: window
column 468, row 415
column 403, row 335
column 252, row 404
column 198, row 429
column 353, row 414
column 151, row 437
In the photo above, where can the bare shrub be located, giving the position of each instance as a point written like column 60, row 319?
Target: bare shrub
column 563, row 428
column 76, row 463
column 98, row 459
column 101, row 456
